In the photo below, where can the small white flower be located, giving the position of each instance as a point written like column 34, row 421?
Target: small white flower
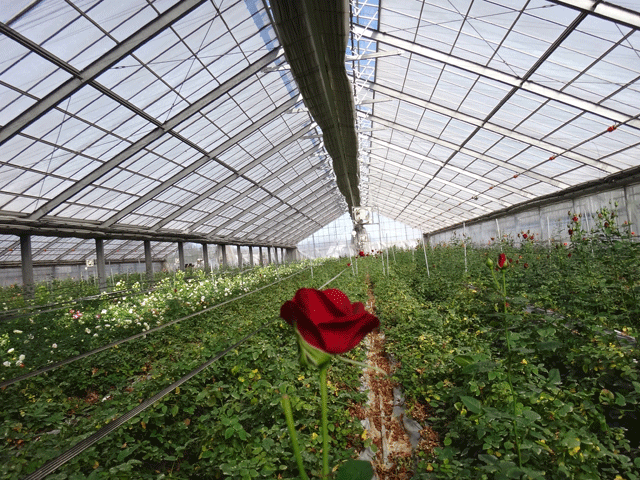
column 55, row 345
column 17, row 331
column 104, row 311
column 11, row 350
column 18, row 363
column 95, row 334
column 106, row 325
column 6, row 364
column 21, row 357
column 87, row 330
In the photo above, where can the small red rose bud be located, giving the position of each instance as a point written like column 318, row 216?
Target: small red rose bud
column 524, row 235
column 502, row 259
column 526, row 265
column 569, row 255
column 575, row 219
column 570, row 232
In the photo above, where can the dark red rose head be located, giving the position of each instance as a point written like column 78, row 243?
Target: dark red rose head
column 570, row 232
column 327, row 320
column 575, row 219
column 502, row 260
column 524, row 235
column 361, row 253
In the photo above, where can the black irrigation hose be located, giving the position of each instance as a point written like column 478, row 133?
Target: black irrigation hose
column 81, row 446
column 67, row 361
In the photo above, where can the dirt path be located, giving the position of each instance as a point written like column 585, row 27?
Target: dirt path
column 384, row 414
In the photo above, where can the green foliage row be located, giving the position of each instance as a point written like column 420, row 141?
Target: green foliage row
column 542, row 389
column 226, row 422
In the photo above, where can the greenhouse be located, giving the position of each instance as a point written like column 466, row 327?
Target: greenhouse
column 320, row 239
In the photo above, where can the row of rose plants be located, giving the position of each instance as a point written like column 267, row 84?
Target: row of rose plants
column 33, row 339
column 227, row 422
column 521, row 357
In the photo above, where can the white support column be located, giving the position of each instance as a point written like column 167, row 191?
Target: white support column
column 250, row 256
column 102, row 278
column 205, row 258
column 239, row 257
column 148, row 260
column 181, row 256
column 269, row 254
column 28, row 283
column 261, row 257
column 225, row 262
column 276, row 253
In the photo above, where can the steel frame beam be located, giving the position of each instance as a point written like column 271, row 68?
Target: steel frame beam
column 431, row 189
column 149, row 138
column 113, row 56
column 399, row 217
column 266, row 180
column 430, row 178
column 604, row 10
column 275, row 193
column 199, row 163
column 461, row 171
column 295, row 206
column 239, row 173
column 468, row 151
column 485, row 124
column 497, row 75
column 282, row 225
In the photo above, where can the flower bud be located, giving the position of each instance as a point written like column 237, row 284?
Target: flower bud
column 489, row 263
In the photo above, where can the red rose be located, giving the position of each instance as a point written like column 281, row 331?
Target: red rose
column 361, row 253
column 570, row 232
column 526, row 265
column 502, row 259
column 575, row 219
column 327, row 320
column 348, row 264
column 524, row 235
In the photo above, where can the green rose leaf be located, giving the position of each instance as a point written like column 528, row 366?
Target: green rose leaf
column 472, row 404
column 355, row 470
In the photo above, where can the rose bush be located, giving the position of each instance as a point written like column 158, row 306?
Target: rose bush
column 326, row 324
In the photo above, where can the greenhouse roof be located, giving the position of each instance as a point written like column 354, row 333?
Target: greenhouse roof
column 190, row 120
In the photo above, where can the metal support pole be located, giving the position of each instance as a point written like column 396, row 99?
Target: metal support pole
column 315, row 253
column 464, row 242
column 102, row 280
column 426, row 261
column 239, row 257
column 251, row 256
column 225, row 262
column 148, row 260
column 181, row 256
column 269, row 254
column 205, row 258
column 276, row 254
column 261, row 257
column 28, row 283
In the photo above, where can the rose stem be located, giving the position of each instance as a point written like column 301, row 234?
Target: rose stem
column 288, row 413
column 325, row 429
